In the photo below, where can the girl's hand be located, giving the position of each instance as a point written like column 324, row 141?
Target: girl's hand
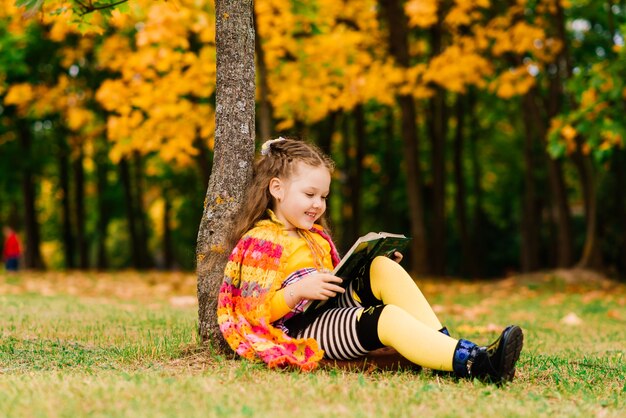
column 397, row 256
column 316, row 286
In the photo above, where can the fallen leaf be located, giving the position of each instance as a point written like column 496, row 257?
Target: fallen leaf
column 571, row 319
column 614, row 314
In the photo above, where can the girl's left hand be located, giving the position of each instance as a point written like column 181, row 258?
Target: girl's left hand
column 397, row 256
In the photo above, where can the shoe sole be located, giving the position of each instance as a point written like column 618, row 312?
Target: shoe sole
column 512, row 341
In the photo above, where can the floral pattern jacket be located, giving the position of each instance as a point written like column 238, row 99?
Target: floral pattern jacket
column 253, row 274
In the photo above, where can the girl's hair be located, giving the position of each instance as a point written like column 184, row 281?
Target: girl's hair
column 278, row 159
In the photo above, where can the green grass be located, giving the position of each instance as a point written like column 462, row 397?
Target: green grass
column 77, row 345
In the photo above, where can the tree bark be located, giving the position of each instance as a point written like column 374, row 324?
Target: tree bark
column 234, row 150
column 32, row 253
column 476, row 267
column 389, row 173
column 438, row 125
column 168, row 253
column 530, row 224
column 591, row 256
column 103, row 206
column 460, row 189
column 130, row 213
column 140, row 212
column 79, row 209
column 66, row 212
column 357, row 181
column 265, row 106
column 398, row 46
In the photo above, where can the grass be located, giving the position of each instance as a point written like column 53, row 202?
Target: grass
column 124, row 344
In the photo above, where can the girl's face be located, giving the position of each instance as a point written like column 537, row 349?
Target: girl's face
column 300, row 200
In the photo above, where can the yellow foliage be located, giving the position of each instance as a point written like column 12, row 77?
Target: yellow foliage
column 588, row 98
column 514, row 82
column 78, row 117
column 422, row 13
column 19, row 95
column 568, row 133
column 455, row 69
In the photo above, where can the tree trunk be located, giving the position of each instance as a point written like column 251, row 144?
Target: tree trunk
column 168, row 253
column 398, row 46
column 460, row 194
column 560, row 211
column 140, row 213
column 265, row 106
column 357, row 183
column 591, row 256
column 234, row 150
column 79, row 207
column 32, row 253
column 476, row 267
column 103, row 207
column 130, row 213
column 389, row 173
column 438, row 142
column 203, row 160
column 530, row 224
column 348, row 230
column 66, row 211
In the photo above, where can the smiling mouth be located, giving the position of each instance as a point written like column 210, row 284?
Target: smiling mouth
column 311, row 214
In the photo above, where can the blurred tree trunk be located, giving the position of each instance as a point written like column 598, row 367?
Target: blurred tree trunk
column 203, row 160
column 438, row 125
column 591, row 256
column 32, row 252
column 476, row 266
column 460, row 189
column 356, row 191
column 265, row 106
column 327, row 129
column 130, row 213
column 531, row 221
column 66, row 211
column 389, row 172
column 396, row 20
column 168, row 253
column 79, row 208
column 348, row 225
column 104, row 210
column 563, row 244
column 620, row 174
column 234, row 151
column 140, row 212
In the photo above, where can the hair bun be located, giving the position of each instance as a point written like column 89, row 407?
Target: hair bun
column 265, row 148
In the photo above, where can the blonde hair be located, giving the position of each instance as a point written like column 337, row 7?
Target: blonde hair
column 278, row 159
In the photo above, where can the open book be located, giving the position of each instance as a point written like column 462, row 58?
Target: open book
column 359, row 256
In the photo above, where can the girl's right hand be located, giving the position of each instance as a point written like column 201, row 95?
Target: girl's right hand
column 317, row 286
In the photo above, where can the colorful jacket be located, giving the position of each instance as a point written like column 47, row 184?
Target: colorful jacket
column 253, row 274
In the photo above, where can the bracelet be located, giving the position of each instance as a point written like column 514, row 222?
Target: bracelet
column 291, row 295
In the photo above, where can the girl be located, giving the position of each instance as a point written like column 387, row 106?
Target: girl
column 283, row 259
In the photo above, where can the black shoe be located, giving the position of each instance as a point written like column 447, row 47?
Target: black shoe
column 496, row 362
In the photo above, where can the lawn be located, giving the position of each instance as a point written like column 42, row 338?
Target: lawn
column 125, row 344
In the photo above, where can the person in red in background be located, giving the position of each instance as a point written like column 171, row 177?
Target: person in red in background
column 12, row 249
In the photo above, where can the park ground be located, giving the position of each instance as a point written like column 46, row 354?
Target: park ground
column 125, row 344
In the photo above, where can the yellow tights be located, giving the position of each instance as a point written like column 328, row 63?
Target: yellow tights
column 408, row 322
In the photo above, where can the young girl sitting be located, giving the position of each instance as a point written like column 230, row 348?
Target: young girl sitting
column 283, row 259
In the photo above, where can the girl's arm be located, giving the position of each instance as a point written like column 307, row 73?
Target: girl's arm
column 318, row 286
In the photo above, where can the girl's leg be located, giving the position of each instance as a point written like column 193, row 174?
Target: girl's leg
column 346, row 333
column 416, row 341
column 392, row 285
